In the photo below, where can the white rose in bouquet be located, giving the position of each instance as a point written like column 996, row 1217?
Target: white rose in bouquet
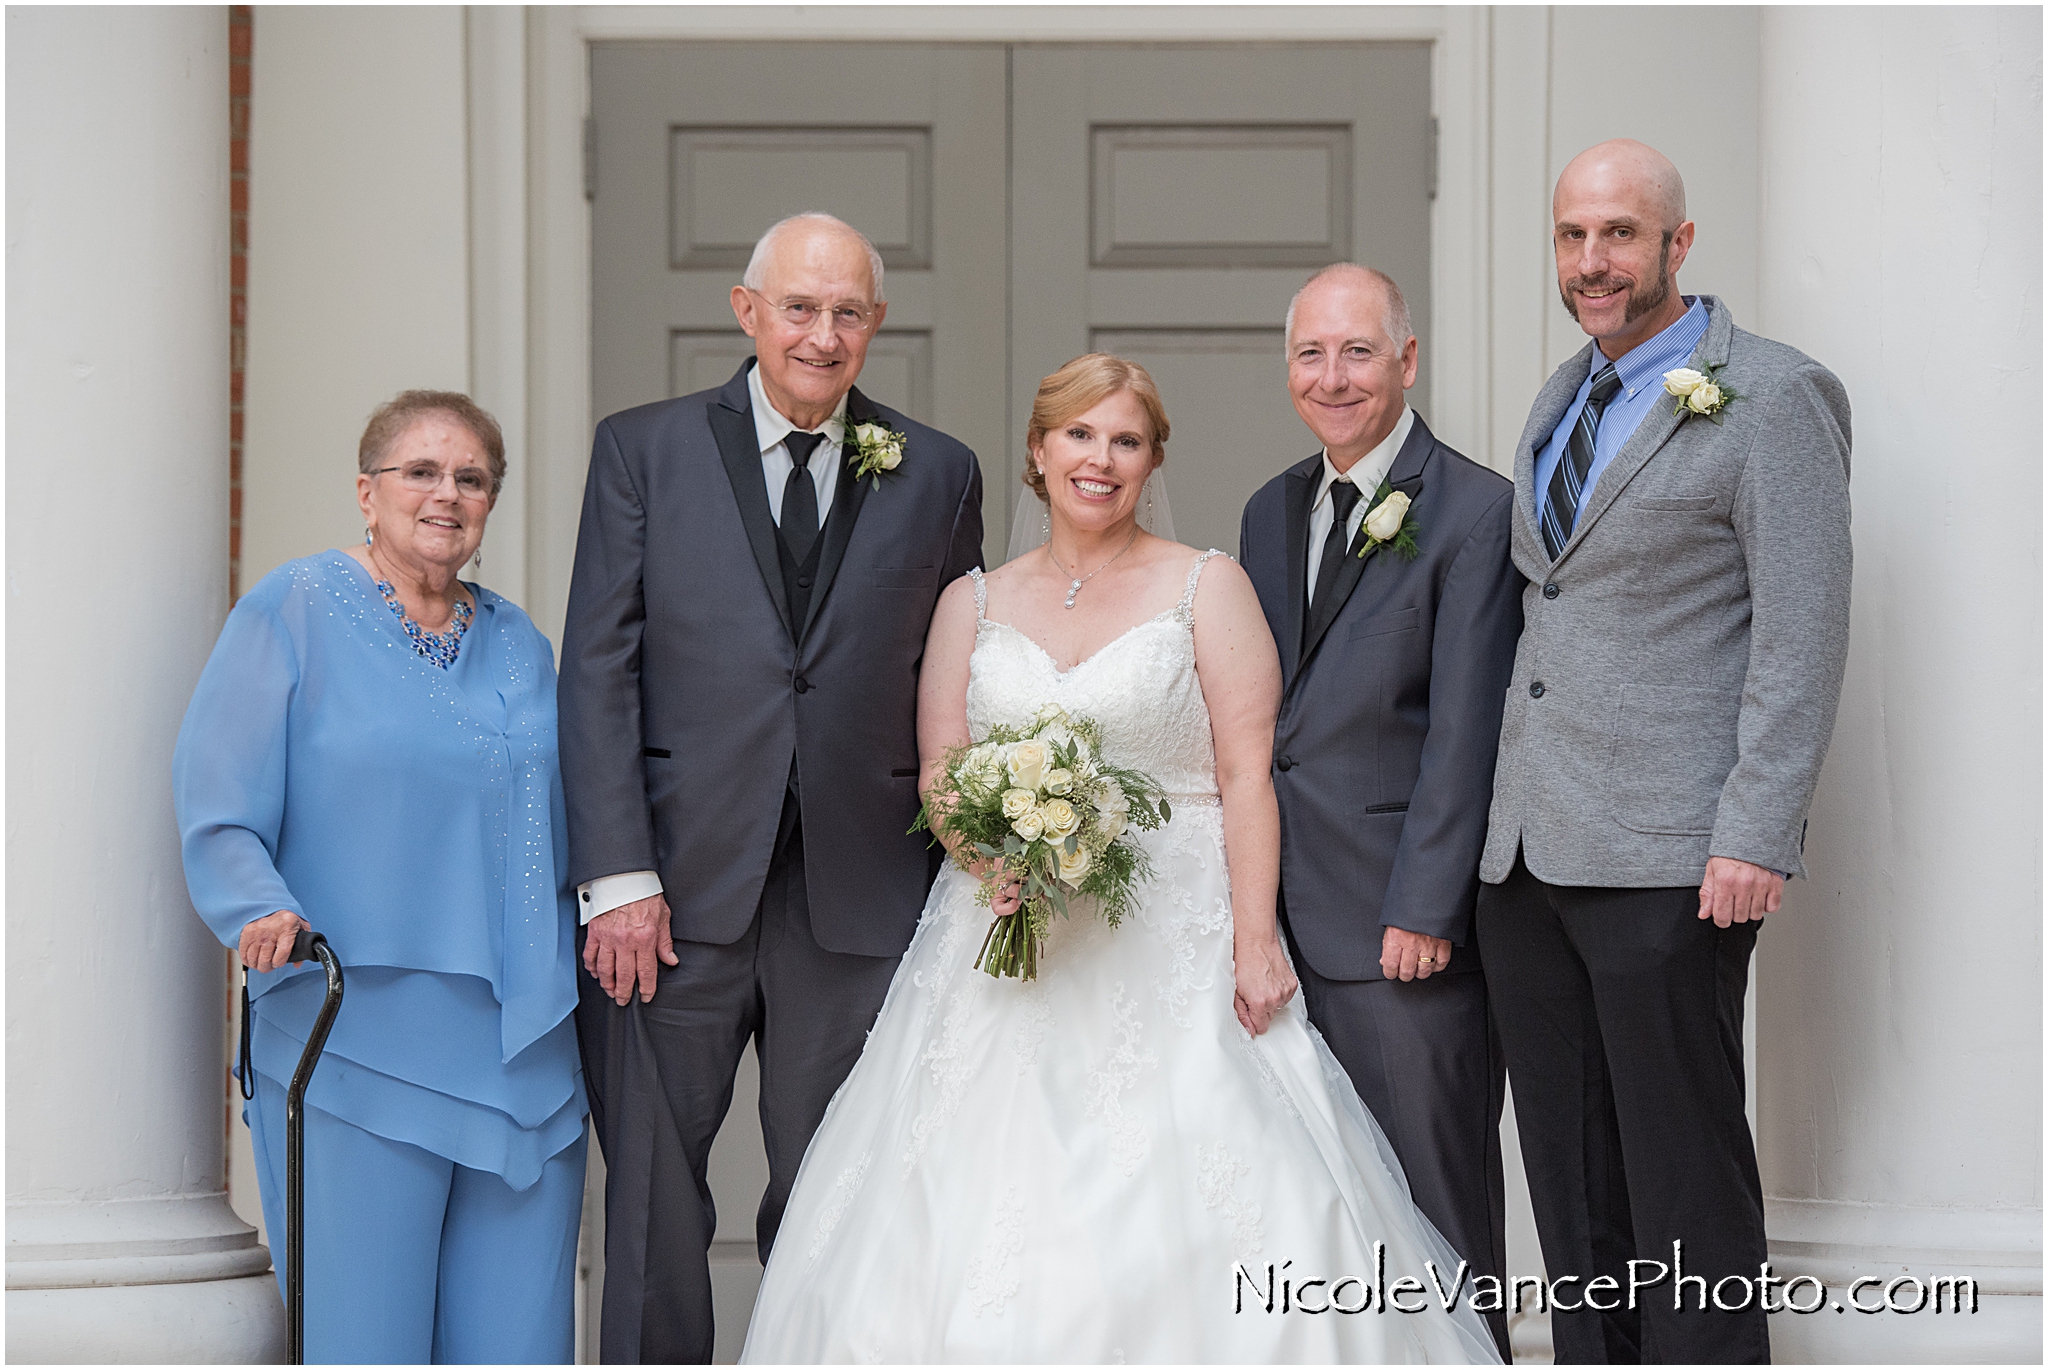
column 981, row 771
column 1028, row 762
column 1074, row 865
column 1704, row 398
column 1059, row 781
column 1029, row 826
column 1017, row 803
column 1061, row 818
column 1683, row 381
column 1112, row 811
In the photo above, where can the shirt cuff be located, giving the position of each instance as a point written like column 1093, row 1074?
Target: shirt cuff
column 608, row 892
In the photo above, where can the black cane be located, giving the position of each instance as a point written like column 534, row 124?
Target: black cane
column 309, row 944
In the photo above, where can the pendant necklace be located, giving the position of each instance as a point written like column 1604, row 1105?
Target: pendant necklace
column 1075, row 588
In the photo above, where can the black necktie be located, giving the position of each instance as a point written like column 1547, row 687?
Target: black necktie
column 1343, row 499
column 1568, row 481
column 800, row 495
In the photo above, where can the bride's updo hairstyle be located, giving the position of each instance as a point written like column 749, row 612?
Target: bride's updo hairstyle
column 1078, row 387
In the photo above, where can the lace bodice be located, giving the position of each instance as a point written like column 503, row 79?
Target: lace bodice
column 1141, row 688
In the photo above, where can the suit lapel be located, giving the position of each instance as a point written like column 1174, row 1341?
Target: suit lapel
column 1556, row 397
column 732, row 423
column 1652, row 433
column 1301, row 497
column 1404, row 475
column 846, row 503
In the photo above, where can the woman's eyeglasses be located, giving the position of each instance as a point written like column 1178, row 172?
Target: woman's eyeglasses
column 471, row 482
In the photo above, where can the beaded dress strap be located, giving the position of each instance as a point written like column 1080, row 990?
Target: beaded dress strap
column 980, row 594
column 1185, row 610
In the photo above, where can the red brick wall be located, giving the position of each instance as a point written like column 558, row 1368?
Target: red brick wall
column 241, row 41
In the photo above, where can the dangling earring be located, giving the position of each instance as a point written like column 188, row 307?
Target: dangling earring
column 1148, row 499
column 478, row 562
column 1048, row 523
column 367, row 538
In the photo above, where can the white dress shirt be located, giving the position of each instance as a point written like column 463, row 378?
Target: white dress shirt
column 1366, row 473
column 608, row 892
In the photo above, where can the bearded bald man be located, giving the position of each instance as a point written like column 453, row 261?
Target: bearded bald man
column 1682, row 516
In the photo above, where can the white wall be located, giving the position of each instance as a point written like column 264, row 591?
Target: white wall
column 1901, row 989
column 358, row 253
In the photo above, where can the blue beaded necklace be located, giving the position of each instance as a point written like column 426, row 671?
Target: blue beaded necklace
column 440, row 649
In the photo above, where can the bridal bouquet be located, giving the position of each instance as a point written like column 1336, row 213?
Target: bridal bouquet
column 1041, row 805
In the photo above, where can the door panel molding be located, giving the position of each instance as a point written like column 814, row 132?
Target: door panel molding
column 1144, row 178
column 879, row 177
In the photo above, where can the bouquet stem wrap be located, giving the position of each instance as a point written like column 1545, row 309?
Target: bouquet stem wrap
column 1040, row 805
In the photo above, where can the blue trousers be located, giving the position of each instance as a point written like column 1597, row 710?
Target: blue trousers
column 411, row 1258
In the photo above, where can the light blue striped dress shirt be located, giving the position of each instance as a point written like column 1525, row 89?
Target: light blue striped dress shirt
column 1642, row 386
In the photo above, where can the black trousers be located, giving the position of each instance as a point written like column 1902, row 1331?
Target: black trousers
column 1424, row 1058
column 1621, row 1014
column 660, row 1076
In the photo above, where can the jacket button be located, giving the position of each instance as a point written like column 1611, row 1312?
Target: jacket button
column 1549, row 591
column 1285, row 763
column 802, row 685
column 803, row 582
column 1535, row 688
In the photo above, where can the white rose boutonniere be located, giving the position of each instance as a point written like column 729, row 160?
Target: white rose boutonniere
column 1698, row 392
column 876, row 448
column 1387, row 524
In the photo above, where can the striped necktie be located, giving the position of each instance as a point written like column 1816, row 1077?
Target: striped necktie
column 1568, row 481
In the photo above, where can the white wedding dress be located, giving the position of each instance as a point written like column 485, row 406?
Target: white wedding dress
column 1073, row 1168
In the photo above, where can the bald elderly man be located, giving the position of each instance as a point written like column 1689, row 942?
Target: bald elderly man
column 738, row 734
column 1682, row 516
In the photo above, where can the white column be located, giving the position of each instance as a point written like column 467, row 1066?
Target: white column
column 120, row 1242
column 1900, row 991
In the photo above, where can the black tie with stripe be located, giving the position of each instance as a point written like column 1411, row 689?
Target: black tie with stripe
column 1568, row 481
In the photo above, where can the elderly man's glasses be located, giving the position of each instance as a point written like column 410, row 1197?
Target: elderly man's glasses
column 803, row 315
column 471, row 482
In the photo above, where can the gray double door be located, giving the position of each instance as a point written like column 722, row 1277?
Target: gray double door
column 1031, row 203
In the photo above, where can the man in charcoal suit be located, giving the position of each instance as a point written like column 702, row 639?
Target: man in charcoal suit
column 1393, row 663
column 1682, row 516
column 738, row 732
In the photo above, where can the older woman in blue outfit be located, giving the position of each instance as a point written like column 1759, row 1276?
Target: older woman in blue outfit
column 371, row 752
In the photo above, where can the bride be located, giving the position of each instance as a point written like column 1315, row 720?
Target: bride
column 1146, row 1153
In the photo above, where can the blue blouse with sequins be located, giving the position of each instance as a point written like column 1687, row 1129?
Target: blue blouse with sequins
column 414, row 815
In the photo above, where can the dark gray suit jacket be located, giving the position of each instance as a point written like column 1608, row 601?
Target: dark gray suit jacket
column 686, row 692
column 1390, row 717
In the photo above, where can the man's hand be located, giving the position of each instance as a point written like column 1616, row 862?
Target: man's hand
column 267, row 941
column 1408, row 955
column 1735, row 891
column 620, row 946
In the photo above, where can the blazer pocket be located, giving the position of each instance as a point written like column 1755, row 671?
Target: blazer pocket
column 1678, row 504
column 904, row 577
column 1673, row 749
column 1373, row 625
